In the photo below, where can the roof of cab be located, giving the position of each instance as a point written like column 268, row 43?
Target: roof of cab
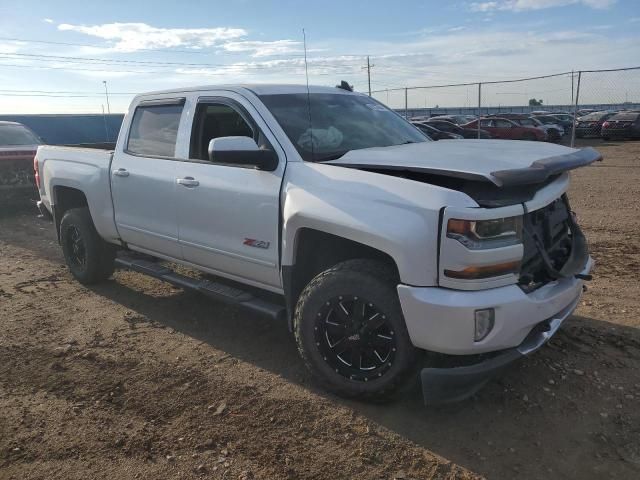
column 257, row 89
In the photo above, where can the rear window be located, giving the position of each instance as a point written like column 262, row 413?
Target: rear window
column 13, row 135
column 625, row 117
column 154, row 130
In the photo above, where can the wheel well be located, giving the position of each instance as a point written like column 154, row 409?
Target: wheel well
column 317, row 251
column 65, row 199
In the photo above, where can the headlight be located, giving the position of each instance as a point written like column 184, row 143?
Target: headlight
column 483, row 234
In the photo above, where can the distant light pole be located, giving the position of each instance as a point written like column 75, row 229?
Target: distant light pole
column 106, row 93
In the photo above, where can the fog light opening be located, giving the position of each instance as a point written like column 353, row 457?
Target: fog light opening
column 484, row 321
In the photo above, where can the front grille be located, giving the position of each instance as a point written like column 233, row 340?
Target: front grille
column 552, row 226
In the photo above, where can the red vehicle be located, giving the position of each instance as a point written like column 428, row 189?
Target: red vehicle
column 17, row 143
column 507, row 129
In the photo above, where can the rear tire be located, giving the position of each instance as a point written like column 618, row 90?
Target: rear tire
column 89, row 258
column 351, row 333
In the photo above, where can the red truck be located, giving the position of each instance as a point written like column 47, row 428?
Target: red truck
column 18, row 147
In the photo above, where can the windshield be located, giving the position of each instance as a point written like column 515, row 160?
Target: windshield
column 338, row 123
column 11, row 135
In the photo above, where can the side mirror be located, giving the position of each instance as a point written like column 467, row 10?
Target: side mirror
column 242, row 152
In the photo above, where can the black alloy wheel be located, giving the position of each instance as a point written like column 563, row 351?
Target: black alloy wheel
column 76, row 247
column 355, row 338
column 351, row 332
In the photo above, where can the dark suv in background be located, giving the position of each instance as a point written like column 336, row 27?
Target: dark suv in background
column 622, row 125
column 591, row 125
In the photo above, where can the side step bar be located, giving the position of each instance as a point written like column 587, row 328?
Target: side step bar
column 217, row 291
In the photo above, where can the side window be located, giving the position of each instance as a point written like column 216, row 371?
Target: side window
column 503, row 124
column 215, row 120
column 486, row 123
column 154, row 130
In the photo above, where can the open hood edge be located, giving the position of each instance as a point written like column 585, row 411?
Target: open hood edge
column 538, row 172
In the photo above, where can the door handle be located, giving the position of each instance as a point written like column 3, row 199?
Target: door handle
column 188, row 182
column 121, row 172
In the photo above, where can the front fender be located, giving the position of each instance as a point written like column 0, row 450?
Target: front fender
column 389, row 214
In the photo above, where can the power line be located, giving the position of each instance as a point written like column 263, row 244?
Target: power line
column 171, row 50
column 66, row 91
column 115, row 61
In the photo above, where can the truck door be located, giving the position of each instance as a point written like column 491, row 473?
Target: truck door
column 143, row 173
column 229, row 215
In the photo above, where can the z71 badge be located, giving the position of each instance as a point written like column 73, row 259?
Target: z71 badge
column 252, row 242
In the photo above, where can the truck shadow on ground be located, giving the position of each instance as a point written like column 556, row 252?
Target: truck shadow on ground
column 549, row 403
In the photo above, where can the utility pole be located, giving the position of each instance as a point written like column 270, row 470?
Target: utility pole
column 369, row 67
column 106, row 93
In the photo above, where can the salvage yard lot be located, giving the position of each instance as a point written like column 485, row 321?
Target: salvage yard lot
column 137, row 379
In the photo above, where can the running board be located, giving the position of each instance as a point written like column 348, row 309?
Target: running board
column 216, row 290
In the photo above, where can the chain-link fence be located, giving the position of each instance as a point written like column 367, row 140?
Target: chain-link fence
column 555, row 101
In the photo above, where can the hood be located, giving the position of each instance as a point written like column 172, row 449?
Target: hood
column 503, row 163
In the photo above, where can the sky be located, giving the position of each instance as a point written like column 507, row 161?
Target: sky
column 56, row 56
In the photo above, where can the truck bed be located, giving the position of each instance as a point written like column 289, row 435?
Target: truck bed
column 84, row 169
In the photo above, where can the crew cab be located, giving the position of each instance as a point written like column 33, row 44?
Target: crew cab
column 323, row 208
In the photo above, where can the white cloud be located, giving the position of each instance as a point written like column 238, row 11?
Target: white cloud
column 47, row 20
column 130, row 37
column 263, row 49
column 522, row 5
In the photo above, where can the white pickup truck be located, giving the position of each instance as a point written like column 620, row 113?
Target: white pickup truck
column 324, row 207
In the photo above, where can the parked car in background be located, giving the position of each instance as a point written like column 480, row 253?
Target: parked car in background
column 541, row 112
column 622, row 125
column 590, row 125
column 434, row 134
column 506, row 129
column 566, row 122
column 457, row 119
column 553, row 132
column 553, row 120
column 16, row 140
column 585, row 111
column 449, row 127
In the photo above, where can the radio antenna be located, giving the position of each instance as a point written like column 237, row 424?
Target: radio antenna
column 306, row 72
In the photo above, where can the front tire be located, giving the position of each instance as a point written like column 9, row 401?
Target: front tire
column 89, row 258
column 351, row 333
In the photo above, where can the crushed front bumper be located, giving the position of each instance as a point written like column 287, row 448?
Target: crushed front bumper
column 447, row 385
column 524, row 323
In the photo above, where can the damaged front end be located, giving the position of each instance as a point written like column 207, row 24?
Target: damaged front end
column 555, row 257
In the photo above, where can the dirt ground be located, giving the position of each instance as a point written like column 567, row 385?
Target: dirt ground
column 137, row 379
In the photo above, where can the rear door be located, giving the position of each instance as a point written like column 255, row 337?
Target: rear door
column 143, row 174
column 229, row 215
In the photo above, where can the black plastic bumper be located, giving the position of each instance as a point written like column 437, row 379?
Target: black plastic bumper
column 453, row 384
column 449, row 385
